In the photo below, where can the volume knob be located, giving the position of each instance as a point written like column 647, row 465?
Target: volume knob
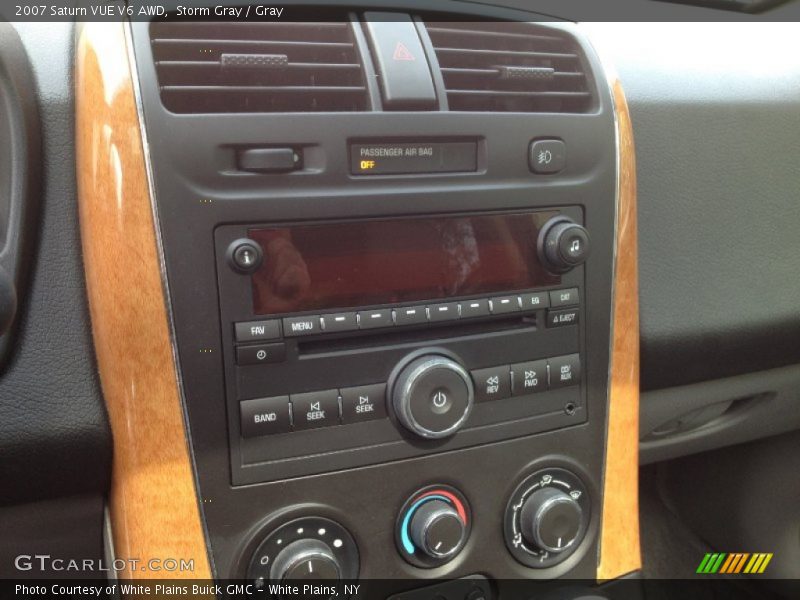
column 432, row 396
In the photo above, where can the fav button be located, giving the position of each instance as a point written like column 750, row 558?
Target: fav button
column 315, row 409
column 565, row 371
column 363, row 403
column 253, row 331
column 265, row 416
column 493, row 383
column 529, row 377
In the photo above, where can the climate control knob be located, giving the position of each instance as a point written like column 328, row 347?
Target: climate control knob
column 432, row 396
column 551, row 520
column 305, row 559
column 563, row 244
column 437, row 529
column 433, row 526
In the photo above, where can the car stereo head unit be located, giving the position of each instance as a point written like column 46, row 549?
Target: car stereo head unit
column 348, row 339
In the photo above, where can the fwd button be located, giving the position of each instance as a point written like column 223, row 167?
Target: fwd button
column 315, row 409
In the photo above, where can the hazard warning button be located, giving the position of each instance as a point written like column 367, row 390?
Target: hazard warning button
column 403, row 72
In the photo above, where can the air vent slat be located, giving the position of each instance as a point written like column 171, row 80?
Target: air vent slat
column 233, row 66
column 510, row 67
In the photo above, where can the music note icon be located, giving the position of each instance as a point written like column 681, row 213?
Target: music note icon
column 576, row 246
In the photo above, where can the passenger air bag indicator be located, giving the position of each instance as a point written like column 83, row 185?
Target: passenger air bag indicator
column 417, row 157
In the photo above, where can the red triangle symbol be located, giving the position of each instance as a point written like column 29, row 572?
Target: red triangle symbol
column 402, row 53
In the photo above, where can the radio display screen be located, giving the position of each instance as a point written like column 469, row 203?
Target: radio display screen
column 403, row 260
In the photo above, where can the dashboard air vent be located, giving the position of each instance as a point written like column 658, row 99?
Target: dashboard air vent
column 234, row 67
column 510, row 67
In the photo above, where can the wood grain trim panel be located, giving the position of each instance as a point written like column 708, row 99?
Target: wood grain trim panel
column 153, row 503
column 620, row 552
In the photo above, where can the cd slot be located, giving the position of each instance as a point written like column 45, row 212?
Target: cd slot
column 428, row 334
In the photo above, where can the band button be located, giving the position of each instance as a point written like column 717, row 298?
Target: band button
column 265, row 416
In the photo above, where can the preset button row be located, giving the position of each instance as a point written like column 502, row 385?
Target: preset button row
column 496, row 383
column 428, row 313
column 282, row 414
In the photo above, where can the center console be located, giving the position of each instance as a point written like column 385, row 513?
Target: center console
column 391, row 309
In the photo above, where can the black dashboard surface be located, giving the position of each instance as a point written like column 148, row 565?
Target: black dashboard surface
column 717, row 129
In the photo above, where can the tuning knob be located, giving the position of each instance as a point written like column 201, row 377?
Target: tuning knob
column 305, row 559
column 551, row 520
column 432, row 396
column 563, row 244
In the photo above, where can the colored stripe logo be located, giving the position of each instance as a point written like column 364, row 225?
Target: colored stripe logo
column 734, row 563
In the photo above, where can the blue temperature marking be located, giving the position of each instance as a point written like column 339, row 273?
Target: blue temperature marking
column 408, row 546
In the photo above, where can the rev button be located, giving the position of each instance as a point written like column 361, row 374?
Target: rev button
column 363, row 403
column 315, row 409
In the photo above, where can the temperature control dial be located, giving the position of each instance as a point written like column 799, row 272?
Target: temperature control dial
column 547, row 517
column 433, row 526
